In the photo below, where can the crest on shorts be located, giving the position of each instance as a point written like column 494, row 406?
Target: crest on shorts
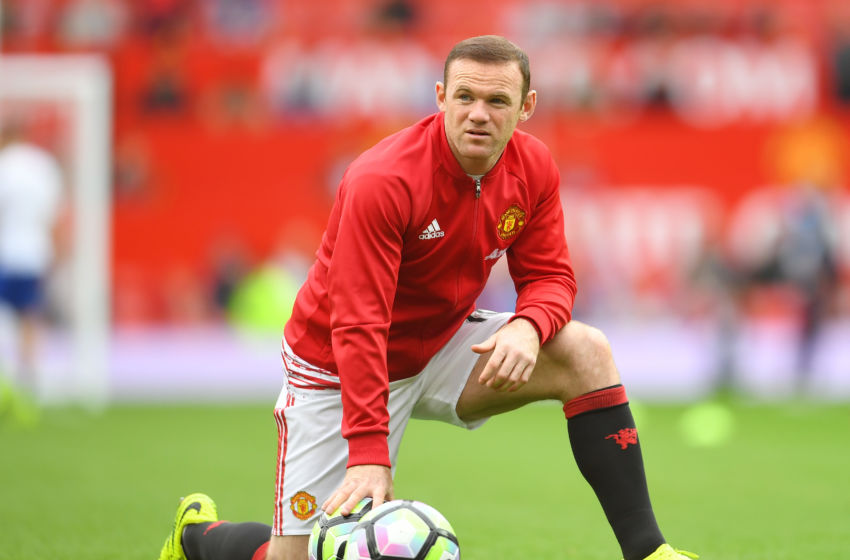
column 511, row 222
column 303, row 505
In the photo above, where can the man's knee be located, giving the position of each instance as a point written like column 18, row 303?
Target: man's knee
column 577, row 345
column 583, row 356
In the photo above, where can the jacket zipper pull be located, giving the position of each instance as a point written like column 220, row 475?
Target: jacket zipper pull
column 478, row 187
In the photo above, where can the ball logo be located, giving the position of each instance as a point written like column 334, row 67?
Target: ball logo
column 303, row 505
column 511, row 222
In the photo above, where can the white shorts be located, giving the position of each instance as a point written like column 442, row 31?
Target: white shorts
column 312, row 454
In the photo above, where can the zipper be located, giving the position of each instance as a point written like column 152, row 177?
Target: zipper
column 475, row 211
column 471, row 245
column 475, row 214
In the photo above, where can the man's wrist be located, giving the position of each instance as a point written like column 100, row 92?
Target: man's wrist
column 530, row 322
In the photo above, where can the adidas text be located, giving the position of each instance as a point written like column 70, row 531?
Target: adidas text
column 433, row 231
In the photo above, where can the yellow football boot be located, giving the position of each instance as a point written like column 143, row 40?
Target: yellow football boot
column 194, row 508
column 667, row 552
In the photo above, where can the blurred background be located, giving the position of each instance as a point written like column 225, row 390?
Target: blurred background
column 703, row 149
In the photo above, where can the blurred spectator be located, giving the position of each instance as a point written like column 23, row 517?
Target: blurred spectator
column 714, row 292
column 25, row 23
column 167, row 23
column 764, row 23
column 97, row 24
column 839, row 57
column 542, row 21
column 30, row 196
column 163, row 17
column 656, row 38
column 396, row 16
column 841, row 61
column 184, row 297
column 803, row 258
column 233, row 102
column 230, row 265
column 167, row 90
column 240, row 22
column 132, row 168
column 262, row 301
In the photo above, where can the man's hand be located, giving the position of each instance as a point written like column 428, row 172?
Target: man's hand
column 361, row 481
column 515, row 347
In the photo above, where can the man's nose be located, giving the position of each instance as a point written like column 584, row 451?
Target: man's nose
column 478, row 112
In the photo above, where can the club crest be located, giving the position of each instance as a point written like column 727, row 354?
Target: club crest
column 303, row 505
column 511, row 222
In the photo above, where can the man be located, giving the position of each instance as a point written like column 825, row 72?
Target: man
column 385, row 327
column 30, row 195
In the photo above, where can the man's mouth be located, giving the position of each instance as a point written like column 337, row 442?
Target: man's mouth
column 479, row 133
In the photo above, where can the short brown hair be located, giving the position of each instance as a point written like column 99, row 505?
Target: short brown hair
column 492, row 49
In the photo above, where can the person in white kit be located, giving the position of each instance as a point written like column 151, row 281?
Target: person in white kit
column 30, row 197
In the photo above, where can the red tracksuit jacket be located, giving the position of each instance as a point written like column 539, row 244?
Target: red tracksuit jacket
column 408, row 248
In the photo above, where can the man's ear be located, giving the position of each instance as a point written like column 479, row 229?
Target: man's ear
column 528, row 106
column 440, row 90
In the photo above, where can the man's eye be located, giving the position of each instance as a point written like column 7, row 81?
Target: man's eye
column 464, row 97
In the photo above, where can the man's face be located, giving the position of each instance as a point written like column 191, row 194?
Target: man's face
column 482, row 105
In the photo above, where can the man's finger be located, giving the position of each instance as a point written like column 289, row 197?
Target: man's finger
column 378, row 500
column 485, row 346
column 339, row 496
column 352, row 501
column 492, row 366
column 332, row 503
column 508, row 371
column 381, row 496
column 508, row 378
column 524, row 374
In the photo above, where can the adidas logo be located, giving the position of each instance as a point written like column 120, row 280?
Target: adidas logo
column 433, row 231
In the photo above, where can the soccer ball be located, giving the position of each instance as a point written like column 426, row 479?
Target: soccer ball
column 330, row 532
column 402, row 530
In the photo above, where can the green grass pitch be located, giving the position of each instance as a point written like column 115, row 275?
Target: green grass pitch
column 90, row 487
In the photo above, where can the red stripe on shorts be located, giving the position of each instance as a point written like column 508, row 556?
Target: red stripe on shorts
column 302, row 375
column 301, row 381
column 282, row 436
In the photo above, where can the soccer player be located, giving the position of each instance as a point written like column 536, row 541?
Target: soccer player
column 30, row 199
column 385, row 328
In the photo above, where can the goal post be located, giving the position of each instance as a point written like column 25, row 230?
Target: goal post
column 84, row 83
